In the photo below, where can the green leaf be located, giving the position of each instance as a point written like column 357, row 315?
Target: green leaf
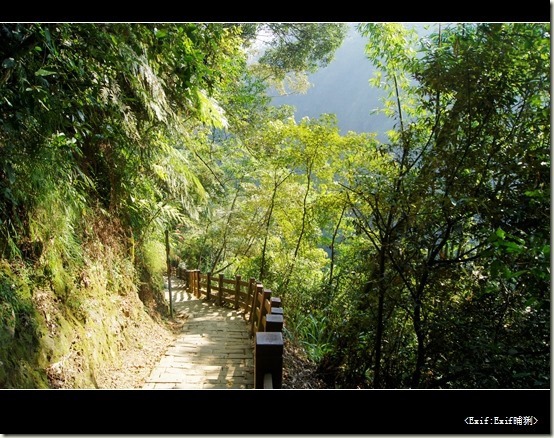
column 160, row 33
column 44, row 72
column 533, row 193
column 512, row 247
column 510, row 274
column 500, row 233
column 209, row 111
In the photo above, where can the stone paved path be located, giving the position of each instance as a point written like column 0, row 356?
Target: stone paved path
column 214, row 350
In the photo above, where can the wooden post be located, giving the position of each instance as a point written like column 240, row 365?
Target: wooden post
column 220, row 291
column 237, row 291
column 209, row 285
column 273, row 323
column 268, row 381
column 249, row 297
column 257, row 291
column 266, row 295
column 199, row 287
column 268, row 358
column 168, row 261
column 197, row 283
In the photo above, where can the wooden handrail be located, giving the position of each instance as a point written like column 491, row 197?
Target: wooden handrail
column 265, row 317
column 269, row 348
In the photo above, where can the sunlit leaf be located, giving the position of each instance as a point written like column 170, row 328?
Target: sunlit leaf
column 44, row 72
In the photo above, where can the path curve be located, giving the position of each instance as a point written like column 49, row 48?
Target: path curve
column 213, row 351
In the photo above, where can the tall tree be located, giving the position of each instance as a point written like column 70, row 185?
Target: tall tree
column 460, row 149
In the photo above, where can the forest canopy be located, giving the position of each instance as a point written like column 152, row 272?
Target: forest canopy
column 422, row 261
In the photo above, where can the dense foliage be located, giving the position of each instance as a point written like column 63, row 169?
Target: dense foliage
column 423, row 261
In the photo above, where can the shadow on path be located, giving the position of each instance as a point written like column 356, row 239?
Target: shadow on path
column 213, row 351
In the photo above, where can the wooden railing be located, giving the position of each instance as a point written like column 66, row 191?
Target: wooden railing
column 263, row 312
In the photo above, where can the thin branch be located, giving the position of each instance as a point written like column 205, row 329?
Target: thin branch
column 209, row 168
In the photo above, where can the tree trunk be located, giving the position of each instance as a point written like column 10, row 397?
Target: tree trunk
column 276, row 185
column 225, row 232
column 267, row 224
column 380, row 322
column 302, row 228
column 332, row 265
column 416, row 376
column 418, row 326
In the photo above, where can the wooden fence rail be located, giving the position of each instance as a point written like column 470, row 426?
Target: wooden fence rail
column 263, row 312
